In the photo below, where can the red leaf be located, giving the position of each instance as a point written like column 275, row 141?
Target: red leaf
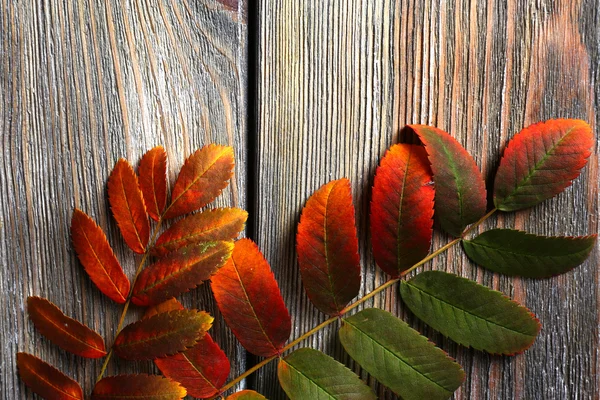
column 327, row 247
column 141, row 386
column 65, row 332
column 46, row 380
column 165, row 306
column 202, row 178
column 162, row 335
column 179, row 272
column 153, row 181
column 207, row 226
column 127, row 205
column 459, row 187
column 540, row 162
column 249, row 299
column 97, row 257
column 402, row 209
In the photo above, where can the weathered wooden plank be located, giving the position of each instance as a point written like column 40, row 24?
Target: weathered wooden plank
column 83, row 83
column 336, row 82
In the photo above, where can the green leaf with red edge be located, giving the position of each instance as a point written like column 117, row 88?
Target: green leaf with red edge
column 153, row 181
column 162, row 335
column 97, row 257
column 139, row 386
column 46, row 380
column 180, row 271
column 127, row 205
column 402, row 209
column 540, row 162
column 327, row 247
column 207, row 226
column 469, row 313
column 512, row 252
column 65, row 332
column 400, row 357
column 246, row 395
column 249, row 299
column 460, row 196
column 166, row 306
column 202, row 178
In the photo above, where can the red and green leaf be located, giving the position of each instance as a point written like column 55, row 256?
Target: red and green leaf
column 97, row 257
column 179, row 272
column 162, row 335
column 246, row 395
column 201, row 179
column 540, row 162
column 249, row 299
column 327, row 247
column 207, row 226
column 63, row 331
column 460, row 196
column 166, row 306
column 140, row 386
column 402, row 209
column 128, row 208
column 46, row 380
column 470, row 314
column 153, row 181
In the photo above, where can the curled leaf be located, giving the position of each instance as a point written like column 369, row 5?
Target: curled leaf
column 139, row 386
column 46, row 380
column 153, row 181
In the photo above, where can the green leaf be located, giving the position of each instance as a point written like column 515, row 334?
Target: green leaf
column 469, row 313
column 310, row 374
column 399, row 357
column 246, row 395
column 513, row 252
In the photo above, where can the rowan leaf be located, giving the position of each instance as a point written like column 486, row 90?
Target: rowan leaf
column 246, row 395
column 180, row 271
column 207, row 226
column 166, row 306
column 46, row 380
column 402, row 209
column 399, row 357
column 460, row 196
column 97, row 257
column 63, row 331
column 127, row 205
column 153, row 181
column 518, row 253
column 540, row 162
column 469, row 313
column 310, row 374
column 139, row 386
column 202, row 178
column 327, row 247
column 162, row 335
column 249, row 299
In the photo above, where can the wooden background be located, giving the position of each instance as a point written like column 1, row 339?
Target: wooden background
column 306, row 92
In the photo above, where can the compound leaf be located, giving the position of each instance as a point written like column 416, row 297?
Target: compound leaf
column 46, row 380
column 246, row 395
column 139, row 386
column 153, row 181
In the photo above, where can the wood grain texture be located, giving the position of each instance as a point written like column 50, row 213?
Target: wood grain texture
column 83, row 83
column 337, row 80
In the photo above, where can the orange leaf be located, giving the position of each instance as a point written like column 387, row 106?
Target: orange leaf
column 202, row 178
column 153, row 181
column 249, row 299
column 46, row 380
column 127, row 205
column 97, row 257
column 65, row 332
column 140, row 386
column 165, row 306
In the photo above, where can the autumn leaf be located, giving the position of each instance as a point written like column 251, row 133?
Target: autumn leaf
column 165, row 306
column 460, row 196
column 139, row 386
column 46, row 380
column 127, row 205
column 162, row 335
column 97, row 257
column 249, row 299
column 246, row 395
column 180, row 271
column 153, row 181
column 65, row 332
column 207, row 226
column 327, row 247
column 202, row 178
column 540, row 162
column 402, row 209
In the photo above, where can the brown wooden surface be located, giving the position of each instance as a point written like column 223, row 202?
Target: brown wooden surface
column 84, row 82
